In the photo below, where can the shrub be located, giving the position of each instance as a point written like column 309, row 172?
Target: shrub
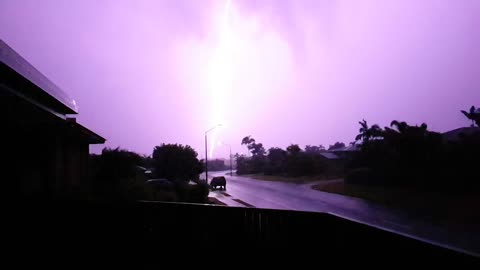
column 182, row 189
column 199, row 193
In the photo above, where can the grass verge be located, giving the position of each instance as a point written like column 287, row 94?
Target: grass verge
column 453, row 209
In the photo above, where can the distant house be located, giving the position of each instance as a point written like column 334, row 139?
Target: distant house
column 334, row 163
column 329, row 155
column 346, row 152
column 457, row 134
column 45, row 151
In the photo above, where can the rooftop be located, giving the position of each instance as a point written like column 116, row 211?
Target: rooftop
column 455, row 135
column 41, row 88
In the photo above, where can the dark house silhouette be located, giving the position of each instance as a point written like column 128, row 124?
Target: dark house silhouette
column 44, row 150
column 456, row 135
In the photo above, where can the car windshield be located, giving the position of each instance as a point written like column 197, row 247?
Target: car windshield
column 366, row 110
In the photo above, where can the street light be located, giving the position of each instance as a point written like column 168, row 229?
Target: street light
column 206, row 152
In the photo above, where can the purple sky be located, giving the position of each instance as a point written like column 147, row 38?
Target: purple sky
column 297, row 71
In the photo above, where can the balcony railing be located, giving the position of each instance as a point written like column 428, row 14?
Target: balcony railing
column 170, row 225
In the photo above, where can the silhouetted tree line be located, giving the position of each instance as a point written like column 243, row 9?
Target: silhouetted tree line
column 398, row 155
column 118, row 174
column 413, row 156
column 276, row 161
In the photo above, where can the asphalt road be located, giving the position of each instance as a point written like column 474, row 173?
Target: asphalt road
column 247, row 192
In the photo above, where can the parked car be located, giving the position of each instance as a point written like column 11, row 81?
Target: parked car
column 218, row 181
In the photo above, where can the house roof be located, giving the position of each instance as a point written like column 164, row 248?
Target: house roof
column 329, row 155
column 350, row 148
column 91, row 137
column 455, row 135
column 25, row 85
column 41, row 89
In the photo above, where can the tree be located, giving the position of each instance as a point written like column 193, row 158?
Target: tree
column 256, row 149
column 367, row 133
column 257, row 162
column 336, row 146
column 115, row 175
column 405, row 154
column 313, row 149
column 243, row 164
column 176, row 162
column 114, row 164
column 294, row 149
column 275, row 161
column 473, row 115
column 401, row 127
column 146, row 161
column 248, row 140
column 298, row 163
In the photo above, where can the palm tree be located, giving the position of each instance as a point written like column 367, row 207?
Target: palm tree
column 362, row 131
column 376, row 131
column 366, row 133
column 472, row 115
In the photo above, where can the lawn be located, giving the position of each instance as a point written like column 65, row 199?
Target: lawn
column 454, row 209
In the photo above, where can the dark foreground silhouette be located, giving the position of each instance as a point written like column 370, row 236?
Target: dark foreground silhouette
column 142, row 227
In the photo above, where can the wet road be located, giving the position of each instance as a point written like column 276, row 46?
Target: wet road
column 243, row 191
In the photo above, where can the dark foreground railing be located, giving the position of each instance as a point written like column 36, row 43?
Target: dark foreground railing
column 192, row 228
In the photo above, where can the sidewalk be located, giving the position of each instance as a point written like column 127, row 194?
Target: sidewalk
column 225, row 198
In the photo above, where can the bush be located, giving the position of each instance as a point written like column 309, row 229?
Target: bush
column 176, row 162
column 199, row 193
column 249, row 165
column 114, row 176
column 182, row 189
column 243, row 165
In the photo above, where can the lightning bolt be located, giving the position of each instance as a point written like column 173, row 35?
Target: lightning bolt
column 221, row 72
